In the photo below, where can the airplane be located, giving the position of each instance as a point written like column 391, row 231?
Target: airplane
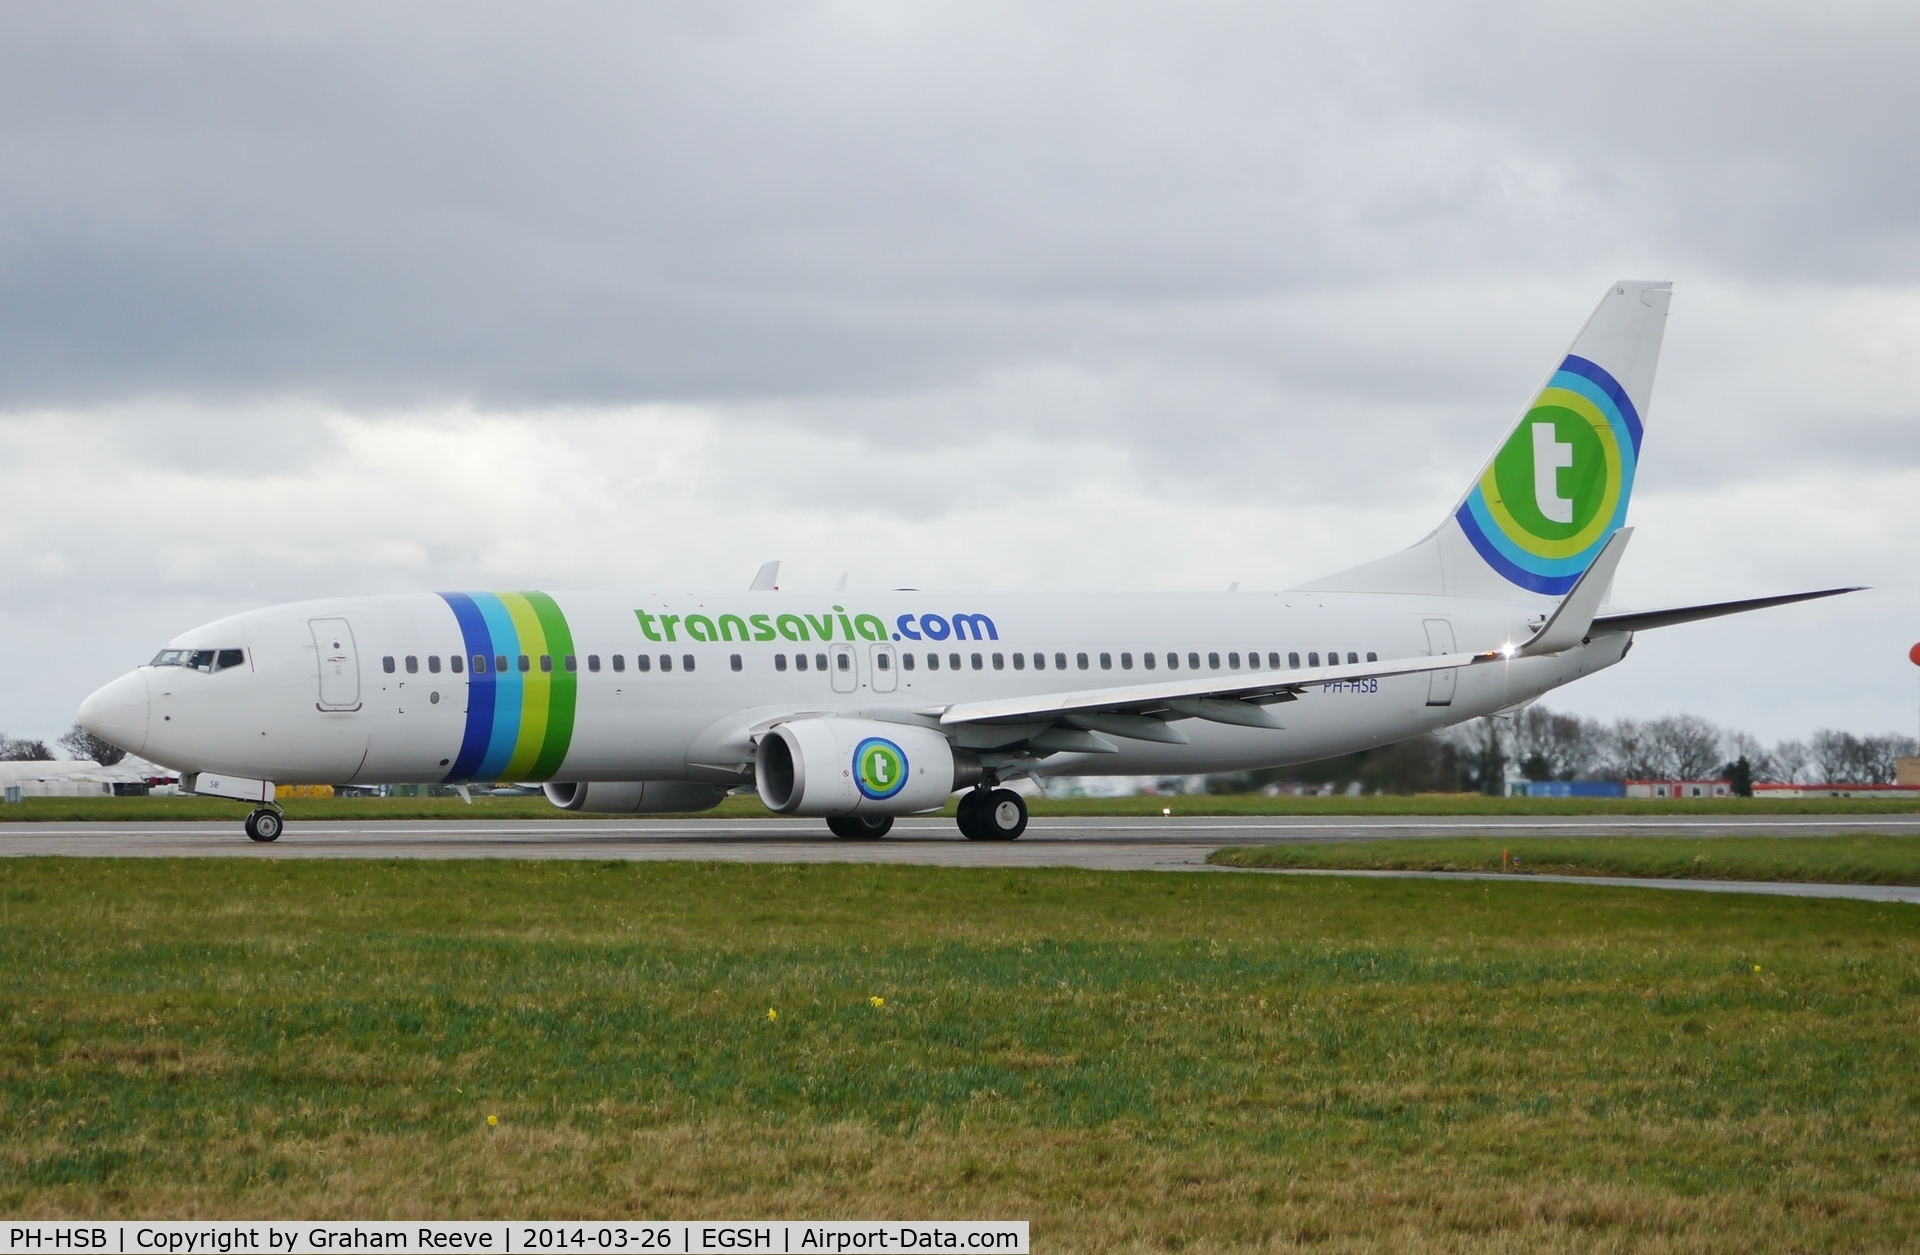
column 860, row 708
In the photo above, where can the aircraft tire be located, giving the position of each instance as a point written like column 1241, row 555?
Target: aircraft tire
column 860, row 827
column 1004, row 817
column 968, row 816
column 264, row 825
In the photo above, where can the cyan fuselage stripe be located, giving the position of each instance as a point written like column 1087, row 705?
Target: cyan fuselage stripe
column 508, row 688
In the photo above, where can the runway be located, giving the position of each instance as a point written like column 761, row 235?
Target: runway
column 1121, row 844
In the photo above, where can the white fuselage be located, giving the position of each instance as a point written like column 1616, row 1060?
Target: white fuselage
column 364, row 690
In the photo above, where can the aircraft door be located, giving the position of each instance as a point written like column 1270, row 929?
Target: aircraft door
column 1440, row 683
column 846, row 677
column 883, row 674
column 339, row 664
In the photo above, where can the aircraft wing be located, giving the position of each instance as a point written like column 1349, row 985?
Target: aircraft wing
column 1240, row 699
column 1639, row 621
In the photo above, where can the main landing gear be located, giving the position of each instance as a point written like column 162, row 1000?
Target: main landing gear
column 992, row 815
column 864, row 827
column 265, row 824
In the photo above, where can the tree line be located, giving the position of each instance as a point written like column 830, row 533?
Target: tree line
column 1483, row 755
column 78, row 742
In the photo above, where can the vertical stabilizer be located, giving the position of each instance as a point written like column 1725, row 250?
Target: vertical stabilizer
column 1557, row 488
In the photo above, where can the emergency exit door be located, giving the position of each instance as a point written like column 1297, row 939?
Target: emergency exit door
column 1440, row 683
column 846, row 678
column 339, row 664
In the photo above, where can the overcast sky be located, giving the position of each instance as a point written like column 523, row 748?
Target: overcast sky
column 308, row 300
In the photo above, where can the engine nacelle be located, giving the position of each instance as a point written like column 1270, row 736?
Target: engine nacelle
column 635, row 797
column 833, row 766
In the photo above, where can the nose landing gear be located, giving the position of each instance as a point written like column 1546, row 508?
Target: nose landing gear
column 265, row 824
column 992, row 815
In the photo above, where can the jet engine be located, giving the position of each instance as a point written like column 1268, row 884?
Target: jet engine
column 635, row 797
column 834, row 766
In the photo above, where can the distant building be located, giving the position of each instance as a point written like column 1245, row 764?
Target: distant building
column 1567, row 788
column 1893, row 791
column 1680, row 788
column 1906, row 771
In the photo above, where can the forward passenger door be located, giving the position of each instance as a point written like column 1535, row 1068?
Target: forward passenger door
column 339, row 664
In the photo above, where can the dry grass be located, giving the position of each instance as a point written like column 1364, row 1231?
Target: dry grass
column 1132, row 1062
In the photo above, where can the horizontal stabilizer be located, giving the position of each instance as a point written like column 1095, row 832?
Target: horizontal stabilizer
column 1640, row 621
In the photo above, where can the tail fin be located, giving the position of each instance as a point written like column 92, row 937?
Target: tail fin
column 1557, row 489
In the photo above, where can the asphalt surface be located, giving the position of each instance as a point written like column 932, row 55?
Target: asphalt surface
column 1147, row 843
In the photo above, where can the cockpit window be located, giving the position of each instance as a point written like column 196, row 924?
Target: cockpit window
column 200, row 659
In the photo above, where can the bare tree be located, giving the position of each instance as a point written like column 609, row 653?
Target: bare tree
column 1551, row 746
column 24, row 751
column 83, row 744
column 1790, row 762
column 1686, row 746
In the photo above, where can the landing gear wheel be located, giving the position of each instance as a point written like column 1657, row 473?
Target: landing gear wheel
column 860, row 827
column 992, row 815
column 264, row 825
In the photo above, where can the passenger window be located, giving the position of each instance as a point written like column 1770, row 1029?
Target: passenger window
column 1019, row 662
column 1173, row 662
column 593, row 662
column 999, row 662
column 643, row 662
column 881, row 662
column 779, row 662
column 455, row 662
column 844, row 661
column 1059, row 662
column 433, row 664
column 906, row 661
column 479, row 664
column 571, row 662
column 666, row 662
column 546, row 662
column 1126, row 662
column 1193, row 662
column 1080, row 661
column 686, row 662
column 978, row 662
column 1106, row 662
column 799, row 662
column 1293, row 660
column 1313, row 660
column 1213, row 661
column 734, row 662
column 526, row 664
column 230, row 658
column 1372, row 657
column 1149, row 660
column 933, row 662
column 500, row 662
column 1352, row 657
column 819, row 662
column 386, row 664
column 1233, row 661
column 619, row 662
column 1273, row 660
column 413, row 664
column 953, row 662
column 1039, row 662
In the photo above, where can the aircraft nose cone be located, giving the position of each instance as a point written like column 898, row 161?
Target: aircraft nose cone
column 118, row 712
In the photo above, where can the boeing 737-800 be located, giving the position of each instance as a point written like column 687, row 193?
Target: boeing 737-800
column 860, row 709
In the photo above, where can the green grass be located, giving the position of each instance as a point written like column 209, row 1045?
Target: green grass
column 1132, row 1061
column 1862, row 859
column 149, row 809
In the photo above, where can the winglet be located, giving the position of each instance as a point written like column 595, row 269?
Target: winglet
column 765, row 581
column 1573, row 618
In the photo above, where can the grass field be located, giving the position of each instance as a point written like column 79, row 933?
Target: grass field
column 1865, row 859
column 149, row 809
column 1131, row 1061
